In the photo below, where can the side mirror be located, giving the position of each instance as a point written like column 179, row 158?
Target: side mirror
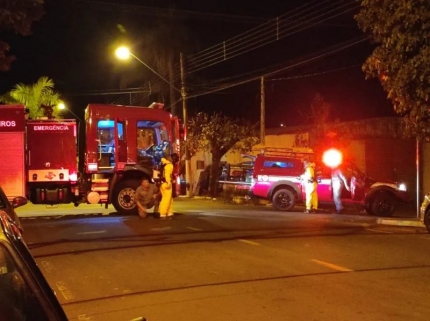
column 19, row 201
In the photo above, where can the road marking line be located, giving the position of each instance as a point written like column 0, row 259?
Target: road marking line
column 249, row 242
column 194, row 228
column 379, row 231
column 64, row 290
column 48, row 266
column 93, row 232
column 161, row 228
column 333, row 266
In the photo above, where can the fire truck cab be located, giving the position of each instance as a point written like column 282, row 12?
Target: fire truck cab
column 123, row 145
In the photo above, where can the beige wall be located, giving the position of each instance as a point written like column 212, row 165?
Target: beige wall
column 357, row 150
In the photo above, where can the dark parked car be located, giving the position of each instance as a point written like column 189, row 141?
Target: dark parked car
column 25, row 295
column 24, row 292
column 9, row 207
column 425, row 211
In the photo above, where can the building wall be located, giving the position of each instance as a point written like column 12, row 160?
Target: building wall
column 392, row 159
column 357, row 153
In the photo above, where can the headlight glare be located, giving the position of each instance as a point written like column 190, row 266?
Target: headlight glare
column 402, row 187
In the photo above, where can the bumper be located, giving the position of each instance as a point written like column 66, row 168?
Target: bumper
column 403, row 197
column 424, row 206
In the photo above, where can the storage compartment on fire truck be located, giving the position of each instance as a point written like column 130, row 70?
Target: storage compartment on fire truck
column 12, row 159
column 52, row 161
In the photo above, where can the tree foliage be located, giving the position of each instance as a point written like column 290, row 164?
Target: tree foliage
column 401, row 59
column 34, row 97
column 324, row 131
column 17, row 16
column 219, row 134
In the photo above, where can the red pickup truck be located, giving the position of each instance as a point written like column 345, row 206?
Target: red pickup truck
column 278, row 179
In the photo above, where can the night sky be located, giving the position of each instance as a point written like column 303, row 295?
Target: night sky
column 74, row 45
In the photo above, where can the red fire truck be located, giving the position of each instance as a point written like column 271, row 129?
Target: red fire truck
column 52, row 168
column 122, row 145
column 12, row 159
column 39, row 157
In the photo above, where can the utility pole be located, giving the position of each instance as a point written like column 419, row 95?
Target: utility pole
column 262, row 113
column 171, row 89
column 185, row 120
column 418, row 169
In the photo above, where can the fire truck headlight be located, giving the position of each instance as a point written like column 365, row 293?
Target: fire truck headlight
column 402, row 187
column 73, row 177
column 92, row 167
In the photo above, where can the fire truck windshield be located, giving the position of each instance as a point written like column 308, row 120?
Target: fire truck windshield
column 152, row 139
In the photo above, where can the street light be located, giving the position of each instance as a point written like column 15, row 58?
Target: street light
column 62, row 106
column 124, row 53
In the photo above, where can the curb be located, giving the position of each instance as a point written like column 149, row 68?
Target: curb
column 400, row 222
column 34, row 211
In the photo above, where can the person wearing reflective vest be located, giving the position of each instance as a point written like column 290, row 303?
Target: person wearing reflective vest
column 310, row 184
column 166, row 188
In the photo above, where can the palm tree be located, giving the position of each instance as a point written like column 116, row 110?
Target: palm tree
column 34, row 97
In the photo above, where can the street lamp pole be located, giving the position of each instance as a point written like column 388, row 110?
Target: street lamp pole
column 164, row 79
column 185, row 120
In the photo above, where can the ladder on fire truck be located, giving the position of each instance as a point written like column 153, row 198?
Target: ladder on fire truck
column 295, row 152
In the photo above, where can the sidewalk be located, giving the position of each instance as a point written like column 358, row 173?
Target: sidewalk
column 403, row 217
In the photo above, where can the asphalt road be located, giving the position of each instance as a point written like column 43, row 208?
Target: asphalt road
column 216, row 262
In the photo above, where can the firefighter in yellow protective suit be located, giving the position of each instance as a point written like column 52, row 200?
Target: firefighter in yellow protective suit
column 310, row 184
column 166, row 188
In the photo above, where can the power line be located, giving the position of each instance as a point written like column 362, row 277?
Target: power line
column 266, row 33
column 173, row 13
column 314, row 74
column 273, row 30
column 314, row 57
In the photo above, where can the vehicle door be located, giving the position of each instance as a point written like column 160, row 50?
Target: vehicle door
column 324, row 187
column 106, row 141
column 121, row 142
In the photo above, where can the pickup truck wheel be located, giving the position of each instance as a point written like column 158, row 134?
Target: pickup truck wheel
column 283, row 200
column 382, row 204
column 368, row 208
column 427, row 220
column 123, row 196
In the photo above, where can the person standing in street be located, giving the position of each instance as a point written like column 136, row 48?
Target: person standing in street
column 166, row 188
column 146, row 197
column 338, row 181
column 310, row 184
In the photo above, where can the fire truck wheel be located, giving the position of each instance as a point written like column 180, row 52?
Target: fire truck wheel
column 382, row 204
column 283, row 200
column 123, row 196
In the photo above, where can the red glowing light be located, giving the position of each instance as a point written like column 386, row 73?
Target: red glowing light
column 332, row 158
